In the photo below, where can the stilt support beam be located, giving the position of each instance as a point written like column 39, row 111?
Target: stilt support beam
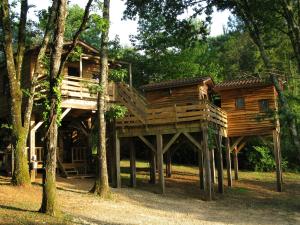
column 277, row 154
column 132, row 164
column 236, row 163
column 228, row 162
column 160, row 161
column 220, row 163
column 208, row 187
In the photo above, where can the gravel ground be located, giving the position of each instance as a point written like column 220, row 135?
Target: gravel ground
column 251, row 201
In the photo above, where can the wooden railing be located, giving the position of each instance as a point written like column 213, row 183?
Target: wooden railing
column 78, row 88
column 202, row 110
column 78, row 154
column 135, row 103
column 39, row 152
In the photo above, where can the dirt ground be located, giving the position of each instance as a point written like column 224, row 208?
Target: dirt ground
column 252, row 200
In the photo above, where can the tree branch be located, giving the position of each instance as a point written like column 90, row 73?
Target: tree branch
column 38, row 63
column 21, row 38
column 85, row 19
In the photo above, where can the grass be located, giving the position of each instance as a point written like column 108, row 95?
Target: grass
column 252, row 200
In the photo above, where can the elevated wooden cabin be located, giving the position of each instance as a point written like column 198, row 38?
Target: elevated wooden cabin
column 178, row 92
column 251, row 106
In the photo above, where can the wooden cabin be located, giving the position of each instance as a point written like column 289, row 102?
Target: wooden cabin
column 178, row 92
column 250, row 104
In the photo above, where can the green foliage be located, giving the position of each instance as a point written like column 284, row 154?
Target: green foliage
column 6, row 126
column 94, row 89
column 117, row 75
column 261, row 159
column 74, row 56
column 115, row 112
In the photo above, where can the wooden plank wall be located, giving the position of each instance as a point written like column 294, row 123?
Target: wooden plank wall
column 244, row 122
column 171, row 96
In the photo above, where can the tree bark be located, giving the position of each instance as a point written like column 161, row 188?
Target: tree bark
column 101, row 186
column 49, row 183
column 19, row 132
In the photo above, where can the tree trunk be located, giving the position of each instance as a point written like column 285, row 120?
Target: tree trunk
column 20, row 132
column 101, row 186
column 49, row 183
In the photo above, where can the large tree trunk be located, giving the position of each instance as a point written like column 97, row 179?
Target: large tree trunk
column 101, row 186
column 21, row 171
column 49, row 187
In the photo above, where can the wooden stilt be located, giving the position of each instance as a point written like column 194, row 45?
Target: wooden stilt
column 160, row 162
column 117, row 163
column 213, row 166
column 236, row 164
column 168, row 164
column 228, row 162
column 152, row 167
column 132, row 164
column 220, row 164
column 277, row 154
column 201, row 172
column 208, row 187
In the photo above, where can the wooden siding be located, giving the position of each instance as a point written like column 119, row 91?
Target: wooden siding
column 244, row 122
column 179, row 95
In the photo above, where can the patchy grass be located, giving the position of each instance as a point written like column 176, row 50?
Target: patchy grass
column 252, row 200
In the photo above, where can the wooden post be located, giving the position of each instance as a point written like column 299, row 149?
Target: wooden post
column 236, row 164
column 32, row 149
column 200, row 163
column 228, row 162
column 132, row 164
column 130, row 74
column 220, row 164
column 160, row 162
column 208, row 187
column 277, row 154
column 152, row 167
column 117, row 163
column 168, row 164
column 213, row 166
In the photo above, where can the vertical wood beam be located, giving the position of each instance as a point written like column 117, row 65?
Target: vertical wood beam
column 200, row 164
column 277, row 154
column 160, row 162
column 132, row 164
column 117, row 162
column 168, row 164
column 152, row 167
column 208, row 187
column 213, row 166
column 236, row 163
column 228, row 162
column 220, row 163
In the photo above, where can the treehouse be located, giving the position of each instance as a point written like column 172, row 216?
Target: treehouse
column 251, row 106
column 167, row 110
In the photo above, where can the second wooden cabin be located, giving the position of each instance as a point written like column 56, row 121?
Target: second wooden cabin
column 178, row 92
column 250, row 105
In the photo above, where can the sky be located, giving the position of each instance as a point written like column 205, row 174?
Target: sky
column 125, row 28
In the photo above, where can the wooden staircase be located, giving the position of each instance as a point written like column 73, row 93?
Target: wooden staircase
column 135, row 103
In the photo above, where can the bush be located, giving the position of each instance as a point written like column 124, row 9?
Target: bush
column 261, row 159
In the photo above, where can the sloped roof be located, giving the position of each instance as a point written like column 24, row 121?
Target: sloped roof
column 176, row 83
column 241, row 83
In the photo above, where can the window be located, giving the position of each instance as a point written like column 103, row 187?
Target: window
column 73, row 71
column 263, row 105
column 240, row 103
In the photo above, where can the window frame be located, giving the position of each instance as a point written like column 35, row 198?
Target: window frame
column 237, row 107
column 261, row 107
